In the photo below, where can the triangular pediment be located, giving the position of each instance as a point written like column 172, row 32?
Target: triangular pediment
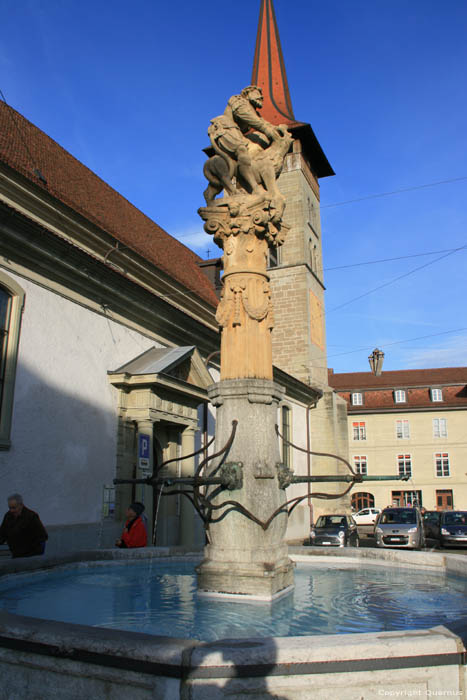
column 181, row 363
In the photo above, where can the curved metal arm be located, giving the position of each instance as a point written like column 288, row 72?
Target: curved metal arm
column 318, row 454
column 238, row 507
column 224, row 450
column 179, row 459
column 152, row 480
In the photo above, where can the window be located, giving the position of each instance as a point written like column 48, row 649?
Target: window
column 11, row 305
column 108, row 501
column 405, row 465
column 360, row 464
column 440, row 428
column 402, row 429
column 5, row 312
column 273, row 257
column 362, row 500
column 436, row 394
column 359, row 431
column 286, row 436
column 442, row 464
column 402, row 499
column 400, row 396
column 357, row 399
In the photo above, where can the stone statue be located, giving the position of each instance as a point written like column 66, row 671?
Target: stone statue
column 248, row 157
column 253, row 159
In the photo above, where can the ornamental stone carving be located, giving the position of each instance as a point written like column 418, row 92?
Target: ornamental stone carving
column 248, row 154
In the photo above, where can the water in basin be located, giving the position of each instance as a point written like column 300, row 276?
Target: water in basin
column 159, row 597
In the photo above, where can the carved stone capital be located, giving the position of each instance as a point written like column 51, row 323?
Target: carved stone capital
column 244, row 214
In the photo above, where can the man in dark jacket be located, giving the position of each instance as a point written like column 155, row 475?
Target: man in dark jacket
column 22, row 529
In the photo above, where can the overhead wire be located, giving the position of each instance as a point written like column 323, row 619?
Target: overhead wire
column 396, row 279
column 445, row 252
column 392, row 192
column 383, row 260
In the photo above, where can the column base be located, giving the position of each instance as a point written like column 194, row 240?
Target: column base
column 263, row 582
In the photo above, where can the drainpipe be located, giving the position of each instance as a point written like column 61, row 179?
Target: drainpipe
column 205, row 408
column 308, row 458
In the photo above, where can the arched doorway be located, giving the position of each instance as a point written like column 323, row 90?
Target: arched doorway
column 362, row 500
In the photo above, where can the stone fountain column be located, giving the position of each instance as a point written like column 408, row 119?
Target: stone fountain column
column 246, row 554
column 242, row 558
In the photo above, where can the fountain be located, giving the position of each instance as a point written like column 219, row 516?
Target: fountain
column 239, row 492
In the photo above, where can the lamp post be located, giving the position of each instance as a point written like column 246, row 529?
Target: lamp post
column 376, row 360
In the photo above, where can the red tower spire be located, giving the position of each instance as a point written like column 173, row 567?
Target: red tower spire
column 269, row 69
column 269, row 74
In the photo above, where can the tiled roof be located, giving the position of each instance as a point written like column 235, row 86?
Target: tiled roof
column 398, row 379
column 378, row 392
column 26, row 148
column 269, row 69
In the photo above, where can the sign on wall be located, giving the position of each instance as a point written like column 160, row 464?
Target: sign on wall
column 144, row 446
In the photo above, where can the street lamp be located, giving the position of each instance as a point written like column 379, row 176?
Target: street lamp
column 376, row 361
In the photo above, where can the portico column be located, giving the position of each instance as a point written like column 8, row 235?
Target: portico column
column 144, row 468
column 187, row 512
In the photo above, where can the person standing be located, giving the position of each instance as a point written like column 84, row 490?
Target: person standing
column 22, row 529
column 134, row 533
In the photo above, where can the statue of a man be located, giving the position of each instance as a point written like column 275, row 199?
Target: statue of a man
column 227, row 132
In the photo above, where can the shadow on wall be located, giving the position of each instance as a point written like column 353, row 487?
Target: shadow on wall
column 236, row 668
column 63, row 451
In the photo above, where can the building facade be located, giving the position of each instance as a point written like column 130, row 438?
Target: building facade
column 106, row 325
column 411, row 423
column 88, row 284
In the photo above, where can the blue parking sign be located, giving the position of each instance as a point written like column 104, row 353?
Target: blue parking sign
column 143, row 446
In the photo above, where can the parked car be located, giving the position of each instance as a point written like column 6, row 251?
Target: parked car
column 366, row 516
column 431, row 524
column 335, row 531
column 400, row 527
column 453, row 528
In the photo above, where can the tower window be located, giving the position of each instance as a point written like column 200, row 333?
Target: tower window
column 273, row 257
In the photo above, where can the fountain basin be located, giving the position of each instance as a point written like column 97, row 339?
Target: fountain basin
column 41, row 658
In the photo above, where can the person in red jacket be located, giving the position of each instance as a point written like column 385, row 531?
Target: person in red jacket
column 134, row 533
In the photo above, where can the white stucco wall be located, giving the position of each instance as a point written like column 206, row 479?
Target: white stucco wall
column 298, row 523
column 64, row 427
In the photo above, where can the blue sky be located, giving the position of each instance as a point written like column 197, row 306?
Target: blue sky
column 129, row 90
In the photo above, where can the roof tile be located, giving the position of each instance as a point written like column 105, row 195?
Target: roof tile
column 26, row 149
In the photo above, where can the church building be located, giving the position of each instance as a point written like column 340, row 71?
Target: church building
column 109, row 339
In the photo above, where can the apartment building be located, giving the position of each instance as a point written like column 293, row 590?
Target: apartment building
column 410, row 423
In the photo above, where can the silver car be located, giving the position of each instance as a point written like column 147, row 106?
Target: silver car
column 400, row 527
